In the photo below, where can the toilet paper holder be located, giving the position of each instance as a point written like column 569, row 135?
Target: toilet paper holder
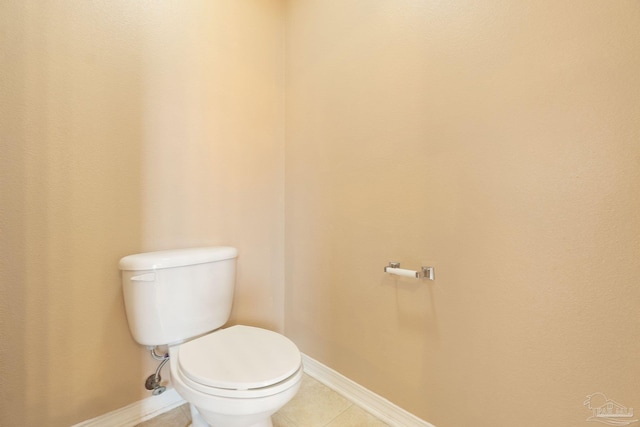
column 424, row 272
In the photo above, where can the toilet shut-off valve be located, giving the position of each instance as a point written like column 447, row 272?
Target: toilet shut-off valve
column 153, row 381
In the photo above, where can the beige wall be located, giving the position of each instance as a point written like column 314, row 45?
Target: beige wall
column 125, row 127
column 498, row 141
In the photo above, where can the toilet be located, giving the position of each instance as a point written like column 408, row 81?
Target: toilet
column 233, row 377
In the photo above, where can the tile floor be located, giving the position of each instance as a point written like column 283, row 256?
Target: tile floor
column 315, row 405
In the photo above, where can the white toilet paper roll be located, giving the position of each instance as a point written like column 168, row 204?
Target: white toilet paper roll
column 402, row 272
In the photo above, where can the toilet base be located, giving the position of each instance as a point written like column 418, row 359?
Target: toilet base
column 267, row 424
column 198, row 421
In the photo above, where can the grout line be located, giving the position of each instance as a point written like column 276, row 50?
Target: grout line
column 341, row 412
column 288, row 419
column 186, row 411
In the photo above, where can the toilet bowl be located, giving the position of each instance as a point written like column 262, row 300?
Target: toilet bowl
column 236, row 377
column 233, row 377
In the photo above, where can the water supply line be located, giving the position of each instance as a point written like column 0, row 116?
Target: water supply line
column 153, row 381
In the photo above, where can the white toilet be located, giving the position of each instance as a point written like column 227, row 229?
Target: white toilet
column 233, row 377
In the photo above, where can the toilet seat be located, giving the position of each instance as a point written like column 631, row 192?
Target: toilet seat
column 240, row 361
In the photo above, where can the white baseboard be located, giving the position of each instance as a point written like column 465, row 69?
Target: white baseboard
column 376, row 405
column 364, row 398
column 137, row 412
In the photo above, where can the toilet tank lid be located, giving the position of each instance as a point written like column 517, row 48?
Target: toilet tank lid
column 177, row 258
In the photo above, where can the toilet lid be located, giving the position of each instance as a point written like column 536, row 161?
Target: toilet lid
column 239, row 358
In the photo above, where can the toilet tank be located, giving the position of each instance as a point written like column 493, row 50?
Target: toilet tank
column 172, row 296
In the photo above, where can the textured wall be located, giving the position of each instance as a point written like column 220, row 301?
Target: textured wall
column 125, row 127
column 497, row 141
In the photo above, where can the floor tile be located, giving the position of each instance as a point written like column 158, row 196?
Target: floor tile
column 280, row 420
column 315, row 405
column 186, row 410
column 355, row 416
column 173, row 418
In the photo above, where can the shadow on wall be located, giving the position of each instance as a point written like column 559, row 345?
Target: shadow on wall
column 126, row 131
column 71, row 190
